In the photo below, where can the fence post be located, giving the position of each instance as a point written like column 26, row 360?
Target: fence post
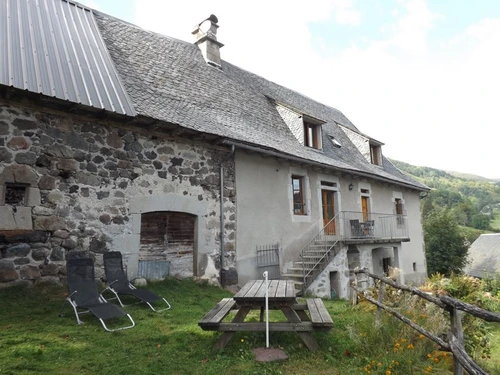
column 355, row 293
column 456, row 330
column 381, row 291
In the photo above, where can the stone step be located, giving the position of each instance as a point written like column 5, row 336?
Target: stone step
column 292, row 276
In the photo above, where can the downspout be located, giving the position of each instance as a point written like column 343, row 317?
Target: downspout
column 222, row 271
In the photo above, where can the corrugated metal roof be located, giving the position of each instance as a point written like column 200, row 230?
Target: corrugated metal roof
column 54, row 47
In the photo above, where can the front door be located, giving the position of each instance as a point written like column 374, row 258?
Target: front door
column 364, row 207
column 328, row 204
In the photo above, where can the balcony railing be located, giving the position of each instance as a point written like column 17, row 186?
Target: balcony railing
column 365, row 226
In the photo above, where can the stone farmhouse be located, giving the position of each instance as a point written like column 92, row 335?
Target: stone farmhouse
column 113, row 137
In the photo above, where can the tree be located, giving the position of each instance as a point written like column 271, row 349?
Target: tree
column 445, row 245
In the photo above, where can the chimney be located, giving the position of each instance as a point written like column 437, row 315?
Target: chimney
column 206, row 39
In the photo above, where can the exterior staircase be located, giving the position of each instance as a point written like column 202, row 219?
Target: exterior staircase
column 314, row 257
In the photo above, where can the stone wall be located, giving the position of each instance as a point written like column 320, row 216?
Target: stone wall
column 81, row 177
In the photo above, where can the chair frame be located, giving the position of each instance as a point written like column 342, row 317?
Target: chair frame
column 101, row 301
column 131, row 287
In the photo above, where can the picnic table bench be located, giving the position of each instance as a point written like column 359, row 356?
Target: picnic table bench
column 301, row 318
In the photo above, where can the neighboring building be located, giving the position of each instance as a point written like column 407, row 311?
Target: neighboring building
column 483, row 256
column 116, row 138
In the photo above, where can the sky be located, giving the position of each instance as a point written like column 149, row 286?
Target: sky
column 421, row 76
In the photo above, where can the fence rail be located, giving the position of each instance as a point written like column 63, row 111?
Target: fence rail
column 455, row 344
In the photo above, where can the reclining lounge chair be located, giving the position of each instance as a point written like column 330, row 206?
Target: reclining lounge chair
column 84, row 295
column 119, row 284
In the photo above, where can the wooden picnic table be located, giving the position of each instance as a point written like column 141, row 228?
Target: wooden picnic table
column 301, row 318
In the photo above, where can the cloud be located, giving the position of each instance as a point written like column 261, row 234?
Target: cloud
column 345, row 14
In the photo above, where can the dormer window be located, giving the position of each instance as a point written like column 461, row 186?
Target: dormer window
column 312, row 135
column 375, row 154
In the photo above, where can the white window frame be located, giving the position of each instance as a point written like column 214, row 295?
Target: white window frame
column 306, row 217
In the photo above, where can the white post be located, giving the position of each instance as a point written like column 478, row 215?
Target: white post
column 267, row 309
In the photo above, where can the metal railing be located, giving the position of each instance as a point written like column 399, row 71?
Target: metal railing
column 268, row 259
column 348, row 226
column 372, row 225
column 319, row 251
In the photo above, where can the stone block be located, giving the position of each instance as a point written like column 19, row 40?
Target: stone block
column 47, row 183
column 28, row 158
column 40, row 254
column 43, row 211
column 5, row 155
column 57, row 254
column 67, row 165
column 98, row 245
column 59, row 151
column 50, row 269
column 21, row 261
column 7, row 271
column 34, row 198
column 24, row 175
column 20, row 219
column 55, row 197
column 30, row 272
column 61, row 234
column 16, row 251
column 25, row 236
column 87, row 179
column 4, row 128
column 23, row 124
column 49, row 223
column 43, row 161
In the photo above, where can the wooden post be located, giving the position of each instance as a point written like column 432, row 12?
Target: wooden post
column 355, row 293
column 381, row 291
column 456, row 330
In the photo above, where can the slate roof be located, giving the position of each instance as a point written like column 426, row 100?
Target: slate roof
column 484, row 256
column 168, row 80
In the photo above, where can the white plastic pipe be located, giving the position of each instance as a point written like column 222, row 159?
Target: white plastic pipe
column 267, row 308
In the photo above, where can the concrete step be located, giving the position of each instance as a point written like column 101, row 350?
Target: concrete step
column 292, row 276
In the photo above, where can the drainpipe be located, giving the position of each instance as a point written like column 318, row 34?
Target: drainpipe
column 222, row 271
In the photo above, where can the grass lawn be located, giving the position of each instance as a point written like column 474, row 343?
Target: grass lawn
column 34, row 340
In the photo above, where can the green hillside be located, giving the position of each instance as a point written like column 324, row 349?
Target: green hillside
column 473, row 200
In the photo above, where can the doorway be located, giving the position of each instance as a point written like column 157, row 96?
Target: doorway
column 334, row 285
column 328, row 206
column 364, row 207
column 168, row 237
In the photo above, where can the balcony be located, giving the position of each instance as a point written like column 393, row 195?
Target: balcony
column 359, row 227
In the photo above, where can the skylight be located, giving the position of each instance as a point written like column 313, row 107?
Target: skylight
column 335, row 142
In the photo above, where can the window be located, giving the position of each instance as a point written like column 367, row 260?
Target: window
column 329, row 184
column 375, row 154
column 399, row 206
column 400, row 211
column 414, row 267
column 312, row 135
column 298, row 195
column 15, row 194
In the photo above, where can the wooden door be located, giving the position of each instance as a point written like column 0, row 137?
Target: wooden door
column 364, row 207
column 328, row 204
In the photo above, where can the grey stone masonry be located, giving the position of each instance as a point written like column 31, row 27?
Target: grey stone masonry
column 77, row 179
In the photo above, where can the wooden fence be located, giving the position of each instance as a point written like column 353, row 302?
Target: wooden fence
column 455, row 343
